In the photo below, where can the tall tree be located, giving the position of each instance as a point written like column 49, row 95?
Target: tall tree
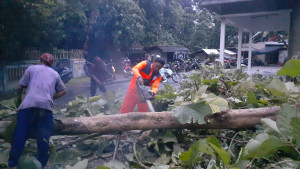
column 119, row 25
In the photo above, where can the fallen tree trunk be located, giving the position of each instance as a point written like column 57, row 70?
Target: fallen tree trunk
column 230, row 119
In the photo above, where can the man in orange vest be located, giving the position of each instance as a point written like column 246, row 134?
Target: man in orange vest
column 145, row 73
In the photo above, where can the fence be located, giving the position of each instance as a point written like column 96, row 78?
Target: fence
column 58, row 54
column 11, row 74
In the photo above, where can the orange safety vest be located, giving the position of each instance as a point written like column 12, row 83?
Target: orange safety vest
column 144, row 69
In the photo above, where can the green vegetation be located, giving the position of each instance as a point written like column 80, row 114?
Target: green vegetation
column 104, row 27
column 274, row 144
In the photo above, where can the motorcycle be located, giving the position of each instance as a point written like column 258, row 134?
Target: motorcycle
column 127, row 71
column 176, row 66
column 111, row 71
column 65, row 73
column 227, row 64
column 168, row 73
column 192, row 65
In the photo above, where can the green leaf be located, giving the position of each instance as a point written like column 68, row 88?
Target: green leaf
column 163, row 159
column 225, row 156
column 79, row 165
column 94, row 99
column 213, row 140
column 217, row 104
column 168, row 137
column 191, row 157
column 266, row 148
column 254, row 143
column 240, row 162
column 291, row 68
column 147, row 156
column 277, row 88
column 67, row 157
column 31, row 162
column 9, row 132
column 160, row 166
column 115, row 165
column 196, row 79
column 270, row 123
column 295, row 123
column 102, row 167
column 192, row 113
column 288, row 122
column 251, row 100
column 4, row 153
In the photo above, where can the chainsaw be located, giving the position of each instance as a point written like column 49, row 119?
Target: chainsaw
column 145, row 95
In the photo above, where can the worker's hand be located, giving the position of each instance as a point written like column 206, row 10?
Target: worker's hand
column 140, row 80
column 152, row 93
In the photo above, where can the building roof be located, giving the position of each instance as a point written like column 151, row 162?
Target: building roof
column 211, row 51
column 214, row 2
column 261, row 45
column 267, row 49
column 216, row 52
column 168, row 48
column 252, row 15
column 229, row 52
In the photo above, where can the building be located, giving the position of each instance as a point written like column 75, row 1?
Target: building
column 168, row 52
column 204, row 54
column 251, row 16
column 267, row 53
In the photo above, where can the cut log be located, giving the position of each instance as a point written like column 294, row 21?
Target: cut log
column 230, row 119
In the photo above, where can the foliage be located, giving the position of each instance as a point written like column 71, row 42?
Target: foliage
column 105, row 28
column 213, row 89
column 29, row 162
column 290, row 68
column 82, row 106
column 192, row 113
column 279, row 140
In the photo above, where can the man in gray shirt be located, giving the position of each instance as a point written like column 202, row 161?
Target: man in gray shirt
column 43, row 85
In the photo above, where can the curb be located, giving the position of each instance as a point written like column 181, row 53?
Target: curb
column 117, row 81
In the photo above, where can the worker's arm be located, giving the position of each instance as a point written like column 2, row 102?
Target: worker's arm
column 96, row 80
column 60, row 88
column 59, row 94
column 156, row 84
column 136, row 71
column 19, row 95
column 20, row 90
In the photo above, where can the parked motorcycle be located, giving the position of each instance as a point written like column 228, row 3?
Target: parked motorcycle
column 177, row 66
column 167, row 73
column 192, row 65
column 228, row 63
column 65, row 73
column 127, row 71
column 111, row 71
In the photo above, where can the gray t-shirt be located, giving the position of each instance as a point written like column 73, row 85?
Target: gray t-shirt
column 42, row 83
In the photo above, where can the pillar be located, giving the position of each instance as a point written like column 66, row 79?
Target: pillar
column 250, row 51
column 238, row 64
column 222, row 41
column 294, row 33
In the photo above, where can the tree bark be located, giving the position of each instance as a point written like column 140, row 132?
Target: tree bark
column 230, row 119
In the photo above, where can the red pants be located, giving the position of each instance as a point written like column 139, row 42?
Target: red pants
column 132, row 99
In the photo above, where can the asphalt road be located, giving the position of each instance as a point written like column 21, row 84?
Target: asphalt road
column 81, row 86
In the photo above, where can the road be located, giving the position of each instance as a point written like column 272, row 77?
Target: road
column 81, row 86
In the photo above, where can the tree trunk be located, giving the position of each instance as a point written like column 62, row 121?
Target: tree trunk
column 230, row 119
